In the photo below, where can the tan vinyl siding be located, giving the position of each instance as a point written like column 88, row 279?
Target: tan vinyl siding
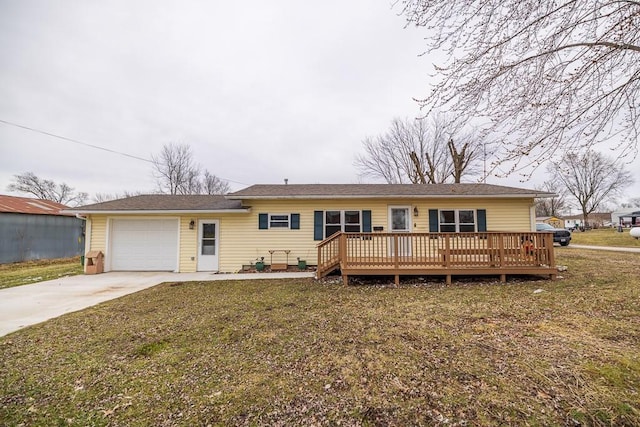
column 241, row 242
column 502, row 214
column 98, row 240
column 187, row 255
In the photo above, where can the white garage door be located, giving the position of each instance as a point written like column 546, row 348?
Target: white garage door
column 144, row 244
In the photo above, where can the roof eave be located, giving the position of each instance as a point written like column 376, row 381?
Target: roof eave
column 398, row 196
column 157, row 211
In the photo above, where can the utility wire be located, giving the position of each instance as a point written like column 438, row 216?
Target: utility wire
column 97, row 147
column 74, row 141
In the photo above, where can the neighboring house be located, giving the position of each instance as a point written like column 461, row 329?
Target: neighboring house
column 631, row 219
column 622, row 217
column 552, row 221
column 573, row 222
column 223, row 233
column 596, row 220
column 37, row 229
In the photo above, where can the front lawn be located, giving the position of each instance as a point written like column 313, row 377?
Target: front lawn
column 299, row 352
column 24, row 273
column 605, row 237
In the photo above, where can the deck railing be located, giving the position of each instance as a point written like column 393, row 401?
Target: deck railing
column 437, row 253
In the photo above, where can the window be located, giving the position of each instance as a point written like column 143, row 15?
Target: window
column 278, row 221
column 347, row 221
column 352, row 221
column 457, row 220
column 208, row 239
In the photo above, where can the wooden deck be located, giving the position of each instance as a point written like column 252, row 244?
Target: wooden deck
column 437, row 254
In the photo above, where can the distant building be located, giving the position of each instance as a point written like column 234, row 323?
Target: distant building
column 552, row 221
column 595, row 219
column 33, row 229
column 623, row 217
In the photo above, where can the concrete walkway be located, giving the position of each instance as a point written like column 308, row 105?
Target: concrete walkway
column 606, row 248
column 26, row 305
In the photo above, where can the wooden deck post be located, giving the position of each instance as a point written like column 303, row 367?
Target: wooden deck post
column 551, row 254
column 380, row 254
column 396, row 250
column 447, row 255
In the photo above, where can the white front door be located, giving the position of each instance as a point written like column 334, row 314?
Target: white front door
column 208, row 245
column 400, row 222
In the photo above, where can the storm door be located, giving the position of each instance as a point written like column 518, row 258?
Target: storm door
column 208, row 245
column 400, row 222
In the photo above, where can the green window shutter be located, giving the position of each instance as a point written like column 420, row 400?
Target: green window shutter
column 482, row 219
column 263, row 221
column 434, row 224
column 317, row 225
column 366, row 221
column 295, row 221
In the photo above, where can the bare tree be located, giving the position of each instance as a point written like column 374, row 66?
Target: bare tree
column 548, row 76
column 418, row 151
column 388, row 156
column 173, row 168
column 177, row 173
column 633, row 202
column 552, row 206
column 591, row 178
column 29, row 183
column 105, row 197
column 211, row 184
column 462, row 157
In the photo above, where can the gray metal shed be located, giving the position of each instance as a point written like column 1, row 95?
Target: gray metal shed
column 33, row 229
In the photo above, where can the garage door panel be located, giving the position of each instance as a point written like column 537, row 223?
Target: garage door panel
column 144, row 245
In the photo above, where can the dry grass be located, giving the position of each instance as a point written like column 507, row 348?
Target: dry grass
column 300, row 352
column 605, row 237
column 25, row 273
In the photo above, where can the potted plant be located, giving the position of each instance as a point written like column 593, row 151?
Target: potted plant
column 302, row 264
column 260, row 264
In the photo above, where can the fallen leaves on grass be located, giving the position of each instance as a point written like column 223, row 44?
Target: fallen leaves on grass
column 299, row 352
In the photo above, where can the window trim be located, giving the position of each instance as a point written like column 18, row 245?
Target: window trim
column 456, row 218
column 270, row 221
column 266, row 221
column 343, row 224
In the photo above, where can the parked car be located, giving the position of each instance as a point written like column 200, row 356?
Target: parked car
column 560, row 235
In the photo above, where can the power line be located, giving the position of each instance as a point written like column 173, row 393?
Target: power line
column 97, row 147
column 75, row 141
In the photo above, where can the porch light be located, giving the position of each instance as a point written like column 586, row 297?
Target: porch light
column 415, row 211
column 192, row 224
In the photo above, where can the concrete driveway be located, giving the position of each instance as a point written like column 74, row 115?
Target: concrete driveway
column 606, row 248
column 30, row 304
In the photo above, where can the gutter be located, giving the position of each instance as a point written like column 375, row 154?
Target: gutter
column 399, row 196
column 161, row 211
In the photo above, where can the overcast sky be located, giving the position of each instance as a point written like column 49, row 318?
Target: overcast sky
column 261, row 91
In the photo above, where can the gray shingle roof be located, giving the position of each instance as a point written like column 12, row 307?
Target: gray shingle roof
column 163, row 202
column 166, row 202
column 317, row 191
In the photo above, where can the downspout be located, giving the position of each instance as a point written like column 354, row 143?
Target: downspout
column 87, row 237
